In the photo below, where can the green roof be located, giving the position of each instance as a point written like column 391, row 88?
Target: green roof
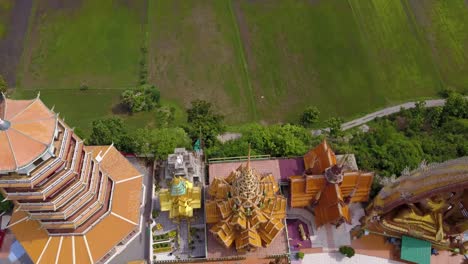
column 415, row 250
column 178, row 189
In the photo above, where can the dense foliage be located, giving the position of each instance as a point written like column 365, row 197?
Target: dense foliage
column 334, row 124
column 160, row 142
column 111, row 130
column 310, row 116
column 276, row 140
column 142, row 98
column 204, row 122
column 410, row 136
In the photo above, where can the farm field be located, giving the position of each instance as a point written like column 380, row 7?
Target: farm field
column 344, row 57
column 195, row 53
column 256, row 61
column 445, row 24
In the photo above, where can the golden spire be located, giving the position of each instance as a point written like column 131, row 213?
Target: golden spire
column 248, row 159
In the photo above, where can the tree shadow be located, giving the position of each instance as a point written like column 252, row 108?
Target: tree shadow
column 121, row 109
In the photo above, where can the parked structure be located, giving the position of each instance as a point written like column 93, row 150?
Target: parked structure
column 73, row 203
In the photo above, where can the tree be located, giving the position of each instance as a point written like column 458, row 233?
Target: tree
column 202, row 118
column 143, row 98
column 5, row 206
column 160, row 142
column 456, row 105
column 310, row 116
column 3, row 85
column 108, row 130
column 334, row 124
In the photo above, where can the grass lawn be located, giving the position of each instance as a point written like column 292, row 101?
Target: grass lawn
column 195, row 53
column 344, row 57
column 81, row 108
column 92, row 42
column 5, row 7
column 446, row 26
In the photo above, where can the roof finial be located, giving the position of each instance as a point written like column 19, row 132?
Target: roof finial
column 38, row 94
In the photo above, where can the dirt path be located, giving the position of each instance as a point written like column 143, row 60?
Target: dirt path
column 11, row 46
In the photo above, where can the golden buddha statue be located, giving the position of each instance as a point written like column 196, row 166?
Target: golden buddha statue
column 429, row 203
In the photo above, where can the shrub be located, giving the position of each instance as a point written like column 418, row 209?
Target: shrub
column 300, row 255
column 347, row 251
column 155, row 213
column 310, row 116
column 84, row 87
column 143, row 98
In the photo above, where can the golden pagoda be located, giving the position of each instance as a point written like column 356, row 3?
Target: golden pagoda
column 329, row 186
column 246, row 209
column 181, row 199
column 429, row 203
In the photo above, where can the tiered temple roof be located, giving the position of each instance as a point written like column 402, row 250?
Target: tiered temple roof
column 180, row 199
column 73, row 203
column 329, row 185
column 246, row 209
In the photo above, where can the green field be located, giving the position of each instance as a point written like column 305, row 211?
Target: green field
column 344, row 57
column 255, row 60
column 445, row 24
column 5, row 7
column 195, row 53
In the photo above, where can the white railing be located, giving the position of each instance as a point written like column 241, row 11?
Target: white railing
column 80, row 183
column 43, row 170
column 95, row 222
column 64, row 212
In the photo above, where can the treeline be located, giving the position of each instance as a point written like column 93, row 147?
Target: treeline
column 391, row 144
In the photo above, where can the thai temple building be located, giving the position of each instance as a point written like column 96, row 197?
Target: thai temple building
column 329, row 184
column 429, row 203
column 183, row 169
column 73, row 203
column 245, row 209
column 181, row 199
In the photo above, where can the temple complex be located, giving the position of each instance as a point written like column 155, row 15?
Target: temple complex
column 429, row 203
column 245, row 209
column 73, row 203
column 329, row 184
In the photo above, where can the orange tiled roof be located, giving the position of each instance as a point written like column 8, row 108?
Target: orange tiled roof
column 328, row 197
column 319, row 158
column 100, row 239
column 31, row 131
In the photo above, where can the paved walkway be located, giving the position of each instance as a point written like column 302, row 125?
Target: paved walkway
column 388, row 111
column 331, row 258
column 353, row 123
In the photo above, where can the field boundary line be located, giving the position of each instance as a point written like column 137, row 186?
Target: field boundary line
column 244, row 61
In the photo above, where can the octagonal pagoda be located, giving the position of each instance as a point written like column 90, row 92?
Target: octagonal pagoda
column 73, row 203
